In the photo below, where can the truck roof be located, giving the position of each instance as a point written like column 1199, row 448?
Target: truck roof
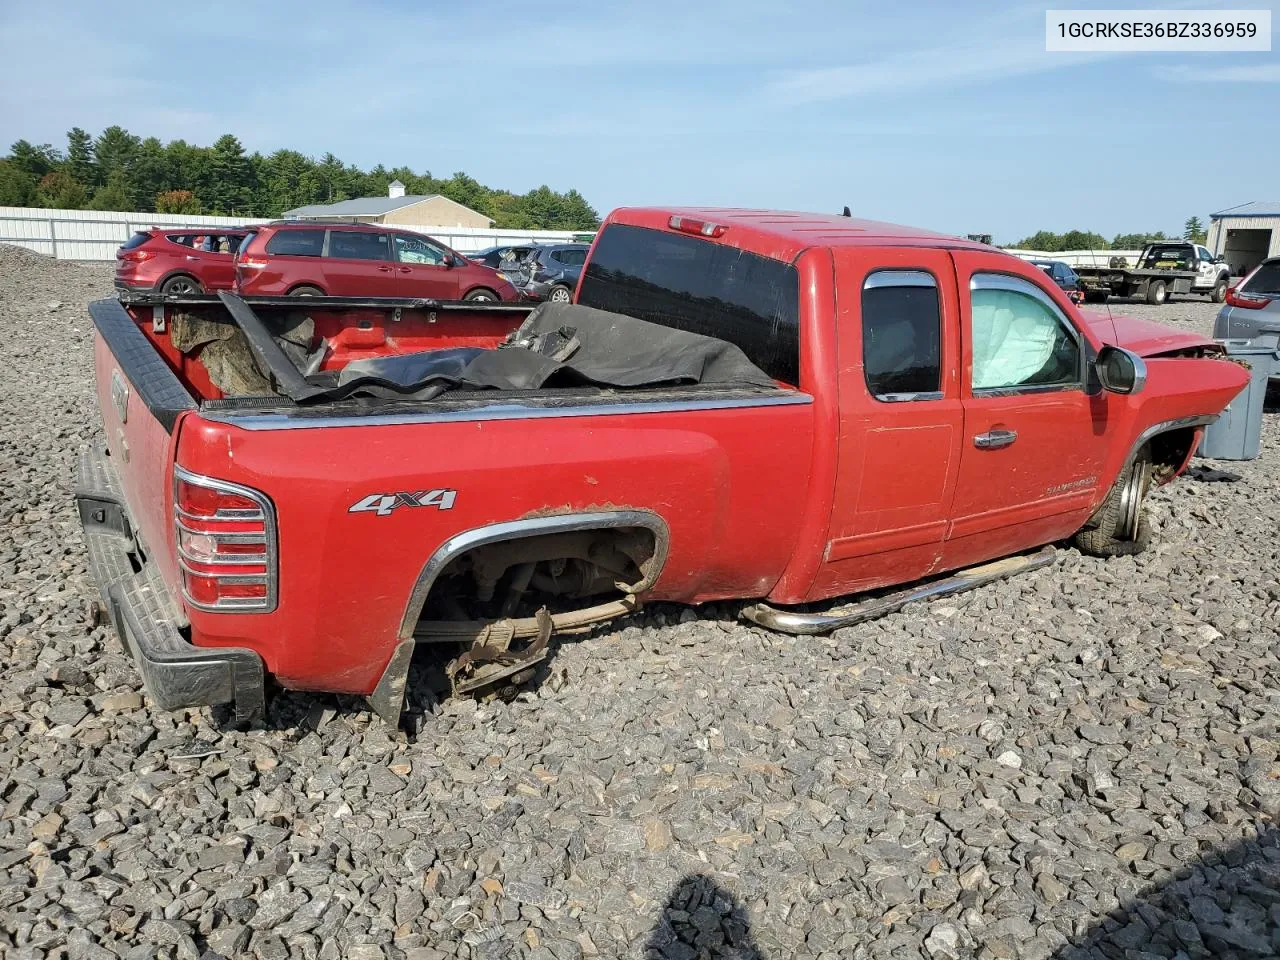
column 783, row 234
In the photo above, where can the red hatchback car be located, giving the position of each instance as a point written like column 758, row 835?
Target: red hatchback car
column 178, row 261
column 313, row 258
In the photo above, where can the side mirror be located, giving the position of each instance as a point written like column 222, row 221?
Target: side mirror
column 450, row 261
column 1120, row 371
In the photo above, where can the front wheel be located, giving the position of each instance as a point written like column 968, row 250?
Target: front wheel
column 482, row 295
column 1120, row 527
column 560, row 294
column 1219, row 290
column 1157, row 292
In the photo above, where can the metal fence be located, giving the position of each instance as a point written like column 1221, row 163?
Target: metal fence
column 95, row 234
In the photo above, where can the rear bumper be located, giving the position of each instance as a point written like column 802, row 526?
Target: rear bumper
column 133, row 288
column 176, row 673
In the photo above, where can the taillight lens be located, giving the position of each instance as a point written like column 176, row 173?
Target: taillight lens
column 136, row 256
column 704, row 228
column 226, row 539
column 1250, row 301
column 251, row 263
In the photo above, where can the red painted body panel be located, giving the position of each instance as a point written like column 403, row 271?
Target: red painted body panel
column 1143, row 337
column 345, row 578
column 142, row 453
column 793, row 502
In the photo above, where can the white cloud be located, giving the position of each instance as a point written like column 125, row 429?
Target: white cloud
column 1240, row 73
column 1002, row 49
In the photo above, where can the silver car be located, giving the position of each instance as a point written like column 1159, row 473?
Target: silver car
column 1253, row 306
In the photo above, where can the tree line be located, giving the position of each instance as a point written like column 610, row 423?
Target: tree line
column 1050, row 242
column 120, row 171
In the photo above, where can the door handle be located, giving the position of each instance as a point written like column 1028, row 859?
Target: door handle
column 384, row 269
column 190, row 257
column 995, row 439
column 404, row 269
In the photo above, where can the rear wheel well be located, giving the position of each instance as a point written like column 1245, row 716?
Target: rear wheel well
column 516, row 576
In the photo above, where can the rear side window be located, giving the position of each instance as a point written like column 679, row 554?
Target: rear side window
column 573, row 258
column 902, row 335
column 358, row 245
column 1266, row 279
column 702, row 287
column 137, row 240
column 296, row 243
column 243, row 245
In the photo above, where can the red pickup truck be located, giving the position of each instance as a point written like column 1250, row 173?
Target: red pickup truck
column 776, row 407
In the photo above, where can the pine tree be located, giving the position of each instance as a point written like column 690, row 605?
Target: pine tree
column 1193, row 230
column 80, row 162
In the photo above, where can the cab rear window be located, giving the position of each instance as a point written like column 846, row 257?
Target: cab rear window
column 701, row 287
column 296, row 243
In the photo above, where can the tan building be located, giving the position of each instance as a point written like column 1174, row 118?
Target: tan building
column 1245, row 235
column 432, row 210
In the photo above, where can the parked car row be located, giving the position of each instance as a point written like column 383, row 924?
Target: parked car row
column 315, row 258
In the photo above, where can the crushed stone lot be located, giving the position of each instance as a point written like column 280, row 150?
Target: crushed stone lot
column 1079, row 762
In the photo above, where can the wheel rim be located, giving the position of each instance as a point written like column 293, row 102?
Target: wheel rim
column 560, row 295
column 482, row 298
column 1131, row 494
column 181, row 286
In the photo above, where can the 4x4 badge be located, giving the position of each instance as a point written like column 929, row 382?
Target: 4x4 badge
column 383, row 503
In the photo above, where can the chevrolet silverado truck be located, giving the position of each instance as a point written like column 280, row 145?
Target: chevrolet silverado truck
column 1164, row 269
column 777, row 408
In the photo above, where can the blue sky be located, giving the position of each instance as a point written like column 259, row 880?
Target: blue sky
column 937, row 115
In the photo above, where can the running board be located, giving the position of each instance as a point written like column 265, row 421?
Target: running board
column 808, row 624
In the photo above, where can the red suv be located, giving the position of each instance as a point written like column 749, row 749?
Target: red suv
column 177, row 261
column 359, row 260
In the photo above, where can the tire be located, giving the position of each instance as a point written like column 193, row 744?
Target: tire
column 1157, row 292
column 1219, row 292
column 1120, row 527
column 483, row 295
column 559, row 294
column 180, row 286
column 306, row 291
column 1092, row 296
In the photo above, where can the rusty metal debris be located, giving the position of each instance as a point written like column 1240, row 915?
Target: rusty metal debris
column 493, row 660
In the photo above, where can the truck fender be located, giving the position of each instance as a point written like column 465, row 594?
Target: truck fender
column 387, row 698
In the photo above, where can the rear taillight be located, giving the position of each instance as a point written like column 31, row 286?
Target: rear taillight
column 1250, row 301
column 136, row 256
column 251, row 263
column 226, row 539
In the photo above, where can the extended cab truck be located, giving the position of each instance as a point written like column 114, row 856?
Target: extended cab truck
column 902, row 404
column 1164, row 269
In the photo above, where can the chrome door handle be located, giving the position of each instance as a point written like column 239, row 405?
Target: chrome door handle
column 190, row 257
column 995, row 439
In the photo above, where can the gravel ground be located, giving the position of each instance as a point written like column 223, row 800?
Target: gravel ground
column 1079, row 762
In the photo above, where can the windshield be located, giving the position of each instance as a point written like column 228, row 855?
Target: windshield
column 701, row 287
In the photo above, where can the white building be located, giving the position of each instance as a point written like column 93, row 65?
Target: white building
column 1245, row 235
